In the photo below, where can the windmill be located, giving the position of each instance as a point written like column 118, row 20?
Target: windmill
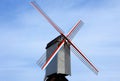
column 56, row 60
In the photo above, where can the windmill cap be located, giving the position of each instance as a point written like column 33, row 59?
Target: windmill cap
column 57, row 39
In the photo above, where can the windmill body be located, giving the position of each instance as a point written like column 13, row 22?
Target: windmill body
column 61, row 62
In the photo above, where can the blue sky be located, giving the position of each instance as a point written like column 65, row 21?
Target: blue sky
column 24, row 34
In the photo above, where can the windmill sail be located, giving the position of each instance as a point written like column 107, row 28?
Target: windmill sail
column 36, row 6
column 41, row 60
column 71, row 34
column 82, row 58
